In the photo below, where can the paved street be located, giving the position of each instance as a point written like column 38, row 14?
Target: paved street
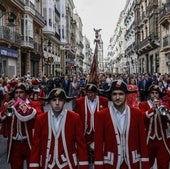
column 3, row 163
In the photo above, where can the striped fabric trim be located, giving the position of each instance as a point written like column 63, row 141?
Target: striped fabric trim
column 144, row 159
column 25, row 118
column 109, row 158
column 135, row 156
column 34, row 165
column 98, row 162
column 83, row 162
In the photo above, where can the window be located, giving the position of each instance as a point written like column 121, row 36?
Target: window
column 30, row 28
column 2, row 11
column 62, row 31
column 45, row 15
column 50, row 17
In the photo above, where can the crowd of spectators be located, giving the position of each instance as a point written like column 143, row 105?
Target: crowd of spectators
column 74, row 84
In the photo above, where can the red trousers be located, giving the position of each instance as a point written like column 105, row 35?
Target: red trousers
column 157, row 150
column 20, row 151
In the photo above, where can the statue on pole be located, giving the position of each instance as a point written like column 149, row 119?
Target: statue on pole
column 97, row 35
column 93, row 76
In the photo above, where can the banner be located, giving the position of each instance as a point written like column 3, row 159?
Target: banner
column 93, row 76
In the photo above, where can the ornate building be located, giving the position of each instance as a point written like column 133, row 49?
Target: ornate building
column 116, row 52
column 164, row 8
column 21, row 24
column 147, row 35
column 88, row 55
column 130, row 53
column 100, row 55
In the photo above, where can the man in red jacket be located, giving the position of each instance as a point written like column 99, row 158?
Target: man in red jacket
column 120, row 140
column 18, row 117
column 87, row 107
column 58, row 140
column 157, row 123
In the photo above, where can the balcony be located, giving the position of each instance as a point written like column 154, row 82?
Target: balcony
column 30, row 7
column 164, row 14
column 7, row 35
column 39, row 17
column 148, row 43
column 27, row 42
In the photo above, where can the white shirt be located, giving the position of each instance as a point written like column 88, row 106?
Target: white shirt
column 57, row 121
column 92, row 105
column 121, row 117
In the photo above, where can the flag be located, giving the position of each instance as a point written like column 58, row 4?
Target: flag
column 93, row 76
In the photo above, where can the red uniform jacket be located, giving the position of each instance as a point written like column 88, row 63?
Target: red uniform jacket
column 25, row 121
column 82, row 109
column 157, row 125
column 66, row 149
column 109, row 141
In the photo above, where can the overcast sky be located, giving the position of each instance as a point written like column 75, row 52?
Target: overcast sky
column 99, row 14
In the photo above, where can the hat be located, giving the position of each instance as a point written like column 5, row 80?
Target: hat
column 91, row 88
column 118, row 85
column 154, row 87
column 35, row 82
column 20, row 86
column 57, row 92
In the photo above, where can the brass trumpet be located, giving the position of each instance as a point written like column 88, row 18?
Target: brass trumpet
column 163, row 110
column 9, row 111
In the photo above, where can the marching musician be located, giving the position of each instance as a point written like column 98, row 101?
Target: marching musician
column 58, row 140
column 157, row 123
column 18, row 116
column 87, row 106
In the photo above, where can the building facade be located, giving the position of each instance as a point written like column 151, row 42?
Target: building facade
column 164, row 15
column 116, row 53
column 100, row 55
column 131, row 65
column 21, row 25
column 147, row 37
column 88, row 55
